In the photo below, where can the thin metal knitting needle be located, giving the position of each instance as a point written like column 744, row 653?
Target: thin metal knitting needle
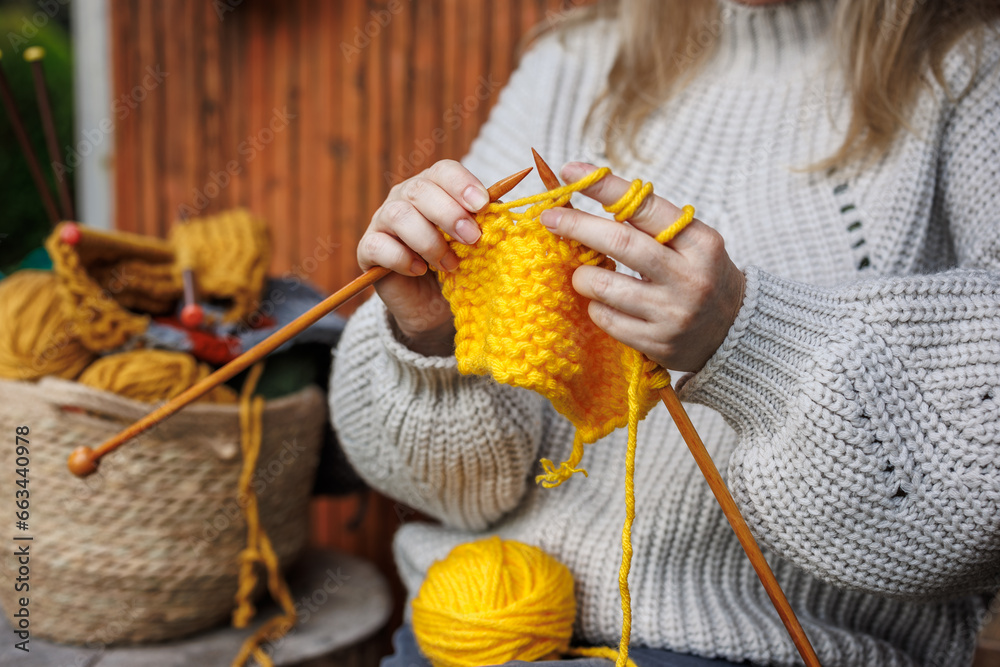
column 721, row 491
column 29, row 153
column 83, row 460
column 34, row 56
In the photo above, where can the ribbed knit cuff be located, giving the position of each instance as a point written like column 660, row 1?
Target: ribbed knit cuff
column 388, row 334
column 766, row 355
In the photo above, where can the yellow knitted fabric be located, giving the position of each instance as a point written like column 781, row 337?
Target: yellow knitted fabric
column 229, row 254
column 519, row 320
column 102, row 323
column 108, row 275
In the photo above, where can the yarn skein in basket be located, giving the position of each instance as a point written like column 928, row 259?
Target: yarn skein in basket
column 151, row 548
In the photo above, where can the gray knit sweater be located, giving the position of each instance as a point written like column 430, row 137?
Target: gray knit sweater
column 854, row 406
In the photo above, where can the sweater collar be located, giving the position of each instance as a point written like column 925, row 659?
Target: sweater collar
column 768, row 39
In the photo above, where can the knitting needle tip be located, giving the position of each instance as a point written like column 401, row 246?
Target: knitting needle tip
column 33, row 53
column 549, row 178
column 503, row 186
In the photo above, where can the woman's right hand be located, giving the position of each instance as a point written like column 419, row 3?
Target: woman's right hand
column 405, row 235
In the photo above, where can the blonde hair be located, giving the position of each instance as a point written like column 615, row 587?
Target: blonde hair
column 885, row 47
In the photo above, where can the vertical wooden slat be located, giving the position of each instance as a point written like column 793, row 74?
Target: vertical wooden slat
column 327, row 112
column 311, row 159
column 353, row 106
column 211, row 160
column 125, row 137
column 257, row 108
column 148, row 117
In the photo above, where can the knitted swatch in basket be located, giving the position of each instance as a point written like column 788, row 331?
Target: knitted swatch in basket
column 520, row 320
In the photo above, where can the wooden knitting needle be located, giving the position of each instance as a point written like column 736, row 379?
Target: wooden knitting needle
column 29, row 153
column 722, row 495
column 34, row 56
column 83, row 460
column 739, row 524
column 192, row 314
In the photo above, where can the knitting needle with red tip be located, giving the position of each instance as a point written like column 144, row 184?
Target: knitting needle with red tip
column 29, row 153
column 722, row 495
column 83, row 460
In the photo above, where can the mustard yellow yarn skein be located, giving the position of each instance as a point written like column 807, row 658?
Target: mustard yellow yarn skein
column 36, row 336
column 492, row 601
column 151, row 376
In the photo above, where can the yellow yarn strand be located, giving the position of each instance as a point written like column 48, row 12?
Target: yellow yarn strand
column 529, row 328
column 258, row 549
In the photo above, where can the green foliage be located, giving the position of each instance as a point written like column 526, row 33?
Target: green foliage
column 23, row 221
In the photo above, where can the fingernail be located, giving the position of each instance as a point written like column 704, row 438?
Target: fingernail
column 467, row 231
column 476, row 197
column 550, row 218
column 449, row 262
column 418, row 268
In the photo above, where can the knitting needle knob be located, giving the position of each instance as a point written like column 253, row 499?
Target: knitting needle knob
column 81, row 462
column 70, row 233
column 192, row 315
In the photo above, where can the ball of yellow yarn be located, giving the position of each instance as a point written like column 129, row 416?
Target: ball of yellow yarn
column 151, row 376
column 36, row 336
column 492, row 601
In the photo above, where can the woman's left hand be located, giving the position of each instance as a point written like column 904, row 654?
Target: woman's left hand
column 691, row 291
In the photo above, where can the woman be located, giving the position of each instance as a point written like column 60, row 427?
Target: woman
column 843, row 345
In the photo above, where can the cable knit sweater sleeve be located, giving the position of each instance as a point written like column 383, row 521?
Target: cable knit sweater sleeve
column 869, row 415
column 458, row 448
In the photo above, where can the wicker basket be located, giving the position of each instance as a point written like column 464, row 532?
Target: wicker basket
column 147, row 548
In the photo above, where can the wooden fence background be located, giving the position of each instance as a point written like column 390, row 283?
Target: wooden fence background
column 302, row 111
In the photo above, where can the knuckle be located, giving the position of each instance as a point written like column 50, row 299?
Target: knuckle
column 601, row 315
column 715, row 245
column 702, row 287
column 413, row 189
column 602, row 284
column 397, row 210
column 442, row 169
column 620, row 241
column 370, row 247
